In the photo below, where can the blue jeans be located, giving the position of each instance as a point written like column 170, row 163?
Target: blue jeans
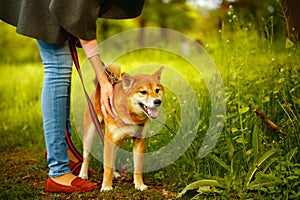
column 57, row 62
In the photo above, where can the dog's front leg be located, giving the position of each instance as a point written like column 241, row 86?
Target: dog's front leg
column 88, row 141
column 109, row 154
column 139, row 145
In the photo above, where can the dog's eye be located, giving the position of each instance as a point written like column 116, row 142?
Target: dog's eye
column 157, row 90
column 143, row 92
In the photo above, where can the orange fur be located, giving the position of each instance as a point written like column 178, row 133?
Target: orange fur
column 136, row 99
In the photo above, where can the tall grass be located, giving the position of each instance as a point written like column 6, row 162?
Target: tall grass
column 252, row 159
column 20, row 112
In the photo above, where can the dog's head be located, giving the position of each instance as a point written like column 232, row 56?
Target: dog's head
column 144, row 93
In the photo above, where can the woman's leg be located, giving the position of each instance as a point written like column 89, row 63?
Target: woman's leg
column 57, row 62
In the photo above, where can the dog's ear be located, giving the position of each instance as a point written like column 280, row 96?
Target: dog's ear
column 127, row 81
column 157, row 74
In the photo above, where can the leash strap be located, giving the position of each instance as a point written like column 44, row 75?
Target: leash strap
column 92, row 110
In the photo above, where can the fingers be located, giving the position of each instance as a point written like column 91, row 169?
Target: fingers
column 103, row 110
column 112, row 108
column 108, row 109
column 107, row 106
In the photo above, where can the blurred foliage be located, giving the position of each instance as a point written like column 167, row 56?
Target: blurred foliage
column 264, row 15
column 181, row 15
column 15, row 48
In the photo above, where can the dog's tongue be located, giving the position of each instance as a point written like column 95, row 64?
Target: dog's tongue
column 152, row 112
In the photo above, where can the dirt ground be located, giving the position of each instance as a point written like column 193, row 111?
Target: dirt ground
column 23, row 175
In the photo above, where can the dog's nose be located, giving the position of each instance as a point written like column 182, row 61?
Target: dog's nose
column 157, row 102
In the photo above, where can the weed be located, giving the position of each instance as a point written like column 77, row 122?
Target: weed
column 251, row 156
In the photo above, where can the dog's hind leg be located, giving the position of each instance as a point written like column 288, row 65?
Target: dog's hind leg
column 88, row 142
column 115, row 173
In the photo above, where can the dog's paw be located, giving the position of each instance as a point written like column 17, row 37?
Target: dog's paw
column 116, row 174
column 106, row 188
column 141, row 187
column 85, row 177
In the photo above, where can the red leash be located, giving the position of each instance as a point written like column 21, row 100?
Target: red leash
column 92, row 110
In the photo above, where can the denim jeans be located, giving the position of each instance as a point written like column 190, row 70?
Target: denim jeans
column 57, row 62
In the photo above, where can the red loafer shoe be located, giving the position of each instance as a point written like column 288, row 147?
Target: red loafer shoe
column 75, row 167
column 83, row 185
column 77, row 185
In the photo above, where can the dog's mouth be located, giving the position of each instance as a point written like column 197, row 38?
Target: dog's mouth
column 150, row 112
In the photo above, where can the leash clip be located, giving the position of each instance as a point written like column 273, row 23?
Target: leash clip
column 109, row 74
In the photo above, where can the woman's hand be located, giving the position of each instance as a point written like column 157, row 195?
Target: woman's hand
column 90, row 47
column 106, row 100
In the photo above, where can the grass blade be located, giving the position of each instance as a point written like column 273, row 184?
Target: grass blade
column 198, row 184
column 255, row 143
column 236, row 164
column 219, row 161
column 253, row 168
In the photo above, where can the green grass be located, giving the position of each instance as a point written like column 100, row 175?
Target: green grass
column 250, row 160
column 21, row 123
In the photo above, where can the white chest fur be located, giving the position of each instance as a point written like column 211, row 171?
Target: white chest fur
column 126, row 132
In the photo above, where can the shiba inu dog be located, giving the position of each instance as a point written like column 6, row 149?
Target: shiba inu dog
column 136, row 99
